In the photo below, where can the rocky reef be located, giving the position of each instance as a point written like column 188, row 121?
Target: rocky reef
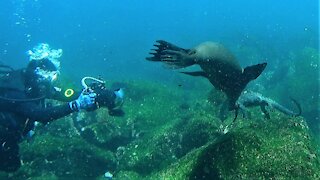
column 164, row 135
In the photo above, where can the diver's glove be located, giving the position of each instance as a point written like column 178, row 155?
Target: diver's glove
column 119, row 98
column 86, row 101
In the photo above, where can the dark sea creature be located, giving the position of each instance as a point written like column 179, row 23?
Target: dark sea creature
column 218, row 65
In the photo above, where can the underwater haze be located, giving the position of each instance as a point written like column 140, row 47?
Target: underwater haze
column 171, row 128
column 112, row 38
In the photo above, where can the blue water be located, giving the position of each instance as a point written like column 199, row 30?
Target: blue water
column 112, row 37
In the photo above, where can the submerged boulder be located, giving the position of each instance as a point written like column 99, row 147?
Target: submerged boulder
column 63, row 158
column 169, row 143
column 278, row 149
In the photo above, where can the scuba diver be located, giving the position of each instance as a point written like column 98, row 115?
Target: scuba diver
column 22, row 100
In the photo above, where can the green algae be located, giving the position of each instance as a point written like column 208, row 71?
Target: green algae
column 276, row 149
column 165, row 136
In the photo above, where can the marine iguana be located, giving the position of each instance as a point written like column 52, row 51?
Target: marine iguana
column 251, row 99
column 218, row 65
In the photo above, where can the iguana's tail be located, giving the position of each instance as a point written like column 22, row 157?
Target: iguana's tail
column 288, row 111
column 298, row 106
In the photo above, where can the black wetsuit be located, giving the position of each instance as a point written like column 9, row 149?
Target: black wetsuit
column 19, row 110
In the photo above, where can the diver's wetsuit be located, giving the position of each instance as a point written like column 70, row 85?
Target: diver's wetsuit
column 18, row 114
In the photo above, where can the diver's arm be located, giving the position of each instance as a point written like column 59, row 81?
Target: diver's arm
column 33, row 111
column 43, row 115
column 104, row 98
column 38, row 113
column 64, row 95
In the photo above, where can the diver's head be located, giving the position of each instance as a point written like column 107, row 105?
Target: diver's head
column 42, row 70
column 40, row 75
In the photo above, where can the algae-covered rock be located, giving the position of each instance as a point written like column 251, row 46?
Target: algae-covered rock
column 152, row 153
column 165, row 136
column 70, row 157
column 169, row 143
column 278, row 149
column 128, row 175
column 197, row 131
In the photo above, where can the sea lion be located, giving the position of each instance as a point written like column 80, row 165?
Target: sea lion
column 218, row 65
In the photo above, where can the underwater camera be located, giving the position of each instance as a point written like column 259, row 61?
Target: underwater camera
column 104, row 96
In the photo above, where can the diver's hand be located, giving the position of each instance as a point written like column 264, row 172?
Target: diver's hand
column 86, row 101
